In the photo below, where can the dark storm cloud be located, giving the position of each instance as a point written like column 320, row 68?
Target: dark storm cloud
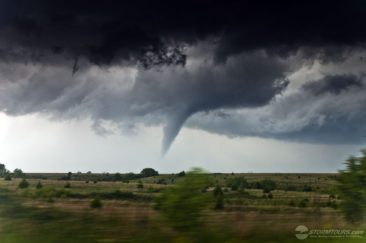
column 336, row 116
column 171, row 94
column 154, row 32
column 333, row 84
column 190, row 58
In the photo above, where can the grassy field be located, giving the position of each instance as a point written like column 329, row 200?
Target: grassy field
column 61, row 211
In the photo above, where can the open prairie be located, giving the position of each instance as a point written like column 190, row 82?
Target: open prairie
column 96, row 208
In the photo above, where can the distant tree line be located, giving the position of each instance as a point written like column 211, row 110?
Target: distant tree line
column 89, row 176
column 17, row 173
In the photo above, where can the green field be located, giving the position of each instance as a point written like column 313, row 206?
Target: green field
column 135, row 210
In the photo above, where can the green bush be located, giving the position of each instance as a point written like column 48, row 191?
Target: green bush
column 162, row 181
column 7, row 177
column 307, row 188
column 140, row 185
column 219, row 195
column 23, row 184
column 39, row 185
column 237, row 183
column 96, row 203
column 181, row 174
column 268, row 185
column 67, row 185
column 48, row 192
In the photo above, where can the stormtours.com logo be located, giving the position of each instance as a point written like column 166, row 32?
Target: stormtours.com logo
column 302, row 232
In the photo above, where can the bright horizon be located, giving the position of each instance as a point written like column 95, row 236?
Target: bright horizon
column 36, row 144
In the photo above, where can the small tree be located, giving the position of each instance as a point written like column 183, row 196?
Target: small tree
column 147, row 172
column 96, row 203
column 182, row 173
column 23, row 184
column 352, row 188
column 237, row 183
column 3, row 170
column 18, row 173
column 39, row 185
column 117, row 177
column 268, row 185
column 7, row 177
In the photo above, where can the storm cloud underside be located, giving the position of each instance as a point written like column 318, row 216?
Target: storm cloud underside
column 233, row 68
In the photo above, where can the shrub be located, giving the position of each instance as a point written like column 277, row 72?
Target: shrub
column 219, row 195
column 237, row 183
column 96, row 203
column 23, row 184
column 182, row 173
column 67, row 185
column 7, row 177
column 161, row 181
column 219, row 202
column 117, row 177
column 140, row 185
column 268, row 185
column 292, row 203
column 218, row 191
column 270, row 196
column 87, row 181
column 39, row 185
column 303, row 203
column 307, row 188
